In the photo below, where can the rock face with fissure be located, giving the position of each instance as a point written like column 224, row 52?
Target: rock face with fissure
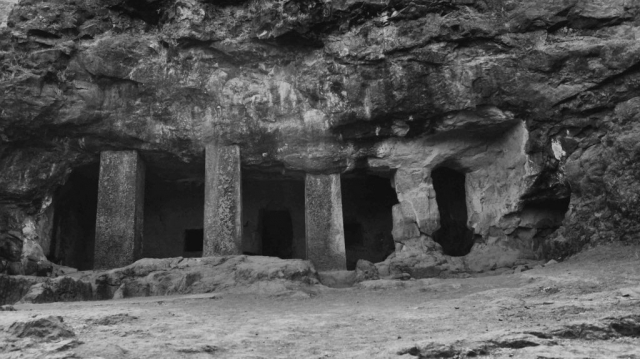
column 536, row 102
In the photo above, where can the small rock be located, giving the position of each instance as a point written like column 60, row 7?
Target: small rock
column 48, row 328
column 551, row 262
column 338, row 279
column 366, row 270
column 520, row 269
column 401, row 276
column 383, row 269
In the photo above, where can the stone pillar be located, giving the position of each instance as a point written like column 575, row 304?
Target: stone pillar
column 120, row 209
column 223, row 201
column 324, row 223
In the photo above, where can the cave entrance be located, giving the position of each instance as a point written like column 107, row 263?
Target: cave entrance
column 74, row 220
column 367, row 200
column 277, row 234
column 173, row 208
column 273, row 209
column 454, row 236
column 193, row 242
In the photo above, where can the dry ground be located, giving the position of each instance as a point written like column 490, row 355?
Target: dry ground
column 585, row 307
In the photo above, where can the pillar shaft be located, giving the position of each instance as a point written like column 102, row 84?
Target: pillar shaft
column 324, row 224
column 119, row 220
column 223, row 201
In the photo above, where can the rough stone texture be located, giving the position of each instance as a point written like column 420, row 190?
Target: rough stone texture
column 119, row 222
column 61, row 289
column 155, row 277
column 338, row 278
column 151, row 277
column 48, row 328
column 223, row 201
column 324, row 222
column 15, row 287
column 366, row 270
column 534, row 100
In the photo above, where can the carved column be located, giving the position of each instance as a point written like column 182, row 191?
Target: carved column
column 120, row 213
column 223, row 201
column 324, row 223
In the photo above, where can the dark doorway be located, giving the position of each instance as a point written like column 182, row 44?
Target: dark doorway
column 74, row 223
column 454, row 236
column 367, row 200
column 193, row 242
column 277, row 234
column 352, row 233
column 273, row 214
column 173, row 216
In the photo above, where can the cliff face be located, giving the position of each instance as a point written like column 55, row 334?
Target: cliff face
column 535, row 102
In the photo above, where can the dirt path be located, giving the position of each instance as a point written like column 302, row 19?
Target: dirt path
column 587, row 307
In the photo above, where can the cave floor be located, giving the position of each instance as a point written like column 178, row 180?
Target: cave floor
column 565, row 310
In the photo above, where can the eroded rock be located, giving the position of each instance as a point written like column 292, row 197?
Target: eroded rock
column 49, row 328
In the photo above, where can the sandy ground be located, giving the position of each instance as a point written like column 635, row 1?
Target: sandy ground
column 565, row 310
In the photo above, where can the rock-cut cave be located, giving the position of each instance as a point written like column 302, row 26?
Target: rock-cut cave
column 454, row 236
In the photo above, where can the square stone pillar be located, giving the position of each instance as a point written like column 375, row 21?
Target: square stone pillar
column 223, row 201
column 324, row 223
column 120, row 209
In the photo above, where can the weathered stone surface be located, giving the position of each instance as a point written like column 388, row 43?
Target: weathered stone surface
column 223, row 201
column 155, row 277
column 338, row 278
column 535, row 101
column 15, row 287
column 62, row 289
column 150, row 277
column 366, row 270
column 324, row 222
column 120, row 204
column 49, row 328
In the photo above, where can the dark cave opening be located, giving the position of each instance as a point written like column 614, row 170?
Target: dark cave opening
column 367, row 200
column 277, row 233
column 193, row 242
column 273, row 210
column 173, row 215
column 74, row 222
column 454, row 236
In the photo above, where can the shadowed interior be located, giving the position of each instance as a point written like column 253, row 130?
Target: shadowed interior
column 367, row 200
column 454, row 236
column 74, row 228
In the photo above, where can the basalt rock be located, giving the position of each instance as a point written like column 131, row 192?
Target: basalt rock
column 535, row 104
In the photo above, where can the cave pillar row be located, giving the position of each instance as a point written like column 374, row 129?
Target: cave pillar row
column 119, row 218
column 223, row 201
column 324, row 222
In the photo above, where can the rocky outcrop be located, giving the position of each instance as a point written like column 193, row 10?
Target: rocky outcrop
column 535, row 102
column 157, row 277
